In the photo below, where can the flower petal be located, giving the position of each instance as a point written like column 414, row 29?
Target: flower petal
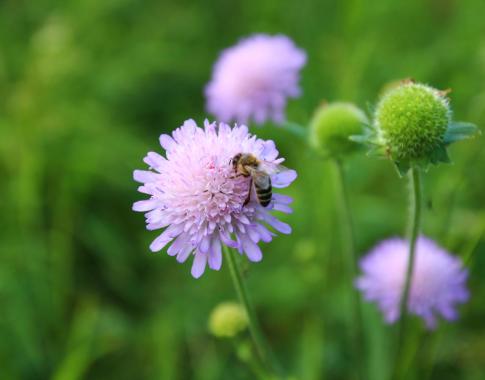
column 198, row 266
column 154, row 160
column 277, row 224
column 284, row 178
column 252, row 250
column 226, row 239
column 178, row 245
column 166, row 237
column 167, row 142
column 145, row 176
column 283, row 208
column 204, row 244
column 215, row 254
column 283, row 199
column 145, row 205
column 184, row 253
column 264, row 233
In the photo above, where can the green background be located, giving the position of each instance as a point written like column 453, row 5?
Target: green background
column 86, row 88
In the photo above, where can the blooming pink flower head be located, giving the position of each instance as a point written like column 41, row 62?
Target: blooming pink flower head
column 197, row 197
column 253, row 79
column 438, row 283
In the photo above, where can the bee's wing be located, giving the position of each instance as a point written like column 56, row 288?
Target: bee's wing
column 261, row 179
column 281, row 176
column 272, row 168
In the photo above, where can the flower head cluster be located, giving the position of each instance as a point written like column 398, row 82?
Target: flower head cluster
column 201, row 202
column 253, row 79
column 333, row 124
column 413, row 126
column 438, row 283
column 412, row 119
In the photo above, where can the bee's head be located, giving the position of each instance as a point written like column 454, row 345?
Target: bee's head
column 234, row 161
column 236, row 158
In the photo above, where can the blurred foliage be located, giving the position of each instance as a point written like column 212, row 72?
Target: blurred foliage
column 88, row 86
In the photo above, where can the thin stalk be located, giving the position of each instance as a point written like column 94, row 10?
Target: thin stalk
column 260, row 343
column 348, row 242
column 253, row 363
column 416, row 201
column 434, row 345
column 295, row 129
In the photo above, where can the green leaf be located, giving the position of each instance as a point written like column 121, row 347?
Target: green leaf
column 460, row 131
column 378, row 151
column 440, row 154
column 361, row 139
column 422, row 163
column 371, row 108
column 402, row 167
column 369, row 137
column 295, row 129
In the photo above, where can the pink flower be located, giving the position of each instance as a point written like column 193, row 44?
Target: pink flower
column 200, row 202
column 253, row 79
column 438, row 283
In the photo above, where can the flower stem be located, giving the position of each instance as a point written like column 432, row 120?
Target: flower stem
column 295, row 129
column 415, row 192
column 348, row 242
column 260, row 343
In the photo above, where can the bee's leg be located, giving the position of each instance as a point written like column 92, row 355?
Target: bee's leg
column 237, row 175
column 248, row 198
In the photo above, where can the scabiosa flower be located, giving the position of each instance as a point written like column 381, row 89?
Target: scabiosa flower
column 437, row 284
column 196, row 196
column 253, row 79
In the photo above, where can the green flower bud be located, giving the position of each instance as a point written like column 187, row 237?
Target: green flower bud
column 333, row 124
column 413, row 127
column 227, row 320
column 244, row 352
column 412, row 120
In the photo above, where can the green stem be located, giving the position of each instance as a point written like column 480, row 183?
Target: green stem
column 348, row 242
column 262, row 347
column 295, row 129
column 415, row 225
column 252, row 363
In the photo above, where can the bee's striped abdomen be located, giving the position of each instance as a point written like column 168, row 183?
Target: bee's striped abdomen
column 264, row 195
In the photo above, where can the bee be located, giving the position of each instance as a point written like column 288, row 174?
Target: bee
column 260, row 171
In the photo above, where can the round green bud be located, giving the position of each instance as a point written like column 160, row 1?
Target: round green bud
column 244, row 351
column 411, row 121
column 227, row 320
column 333, row 124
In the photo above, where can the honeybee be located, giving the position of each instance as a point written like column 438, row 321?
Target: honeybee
column 260, row 171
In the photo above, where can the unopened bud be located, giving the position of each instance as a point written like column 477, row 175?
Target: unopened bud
column 227, row 320
column 333, row 124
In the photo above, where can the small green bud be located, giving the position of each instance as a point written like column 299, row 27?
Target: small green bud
column 244, row 352
column 333, row 124
column 412, row 120
column 227, row 320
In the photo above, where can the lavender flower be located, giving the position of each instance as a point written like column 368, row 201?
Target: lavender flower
column 253, row 79
column 437, row 284
column 196, row 196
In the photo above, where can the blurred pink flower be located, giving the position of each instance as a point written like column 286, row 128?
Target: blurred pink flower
column 196, row 197
column 438, row 283
column 253, row 79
